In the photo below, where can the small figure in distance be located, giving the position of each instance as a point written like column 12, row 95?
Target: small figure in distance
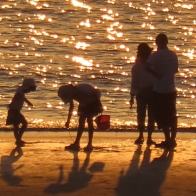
column 15, row 117
column 141, row 87
column 163, row 64
column 89, row 106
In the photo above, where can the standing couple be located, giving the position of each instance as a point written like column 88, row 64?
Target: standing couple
column 153, row 84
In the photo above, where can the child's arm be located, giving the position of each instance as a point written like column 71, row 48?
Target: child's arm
column 71, row 107
column 131, row 102
column 149, row 68
column 28, row 102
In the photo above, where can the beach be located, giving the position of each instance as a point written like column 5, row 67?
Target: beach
column 95, row 42
column 116, row 166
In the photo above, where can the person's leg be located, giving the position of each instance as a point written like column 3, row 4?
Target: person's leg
column 80, row 130
column 12, row 119
column 16, row 131
column 161, row 113
column 141, row 115
column 166, row 131
column 151, row 121
column 170, row 119
column 166, row 143
column 160, row 102
column 174, row 130
column 173, row 119
column 90, row 130
column 23, row 127
column 17, row 119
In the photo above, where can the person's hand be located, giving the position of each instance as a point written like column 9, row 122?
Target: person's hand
column 30, row 105
column 131, row 102
column 67, row 124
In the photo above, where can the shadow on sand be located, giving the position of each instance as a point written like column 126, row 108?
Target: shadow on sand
column 144, row 179
column 78, row 177
column 7, row 170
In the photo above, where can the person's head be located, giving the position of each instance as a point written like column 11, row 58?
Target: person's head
column 161, row 40
column 66, row 93
column 28, row 85
column 143, row 51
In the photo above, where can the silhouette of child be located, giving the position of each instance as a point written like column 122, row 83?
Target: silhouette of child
column 15, row 117
column 89, row 106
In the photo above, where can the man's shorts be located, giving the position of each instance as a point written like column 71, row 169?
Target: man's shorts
column 164, row 107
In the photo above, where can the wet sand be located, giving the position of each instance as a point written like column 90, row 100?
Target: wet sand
column 116, row 167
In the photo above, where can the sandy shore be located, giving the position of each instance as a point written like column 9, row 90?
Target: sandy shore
column 116, row 167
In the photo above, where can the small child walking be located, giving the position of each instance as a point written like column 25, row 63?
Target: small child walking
column 89, row 106
column 15, row 117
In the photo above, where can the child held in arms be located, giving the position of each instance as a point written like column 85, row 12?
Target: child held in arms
column 15, row 117
column 89, row 106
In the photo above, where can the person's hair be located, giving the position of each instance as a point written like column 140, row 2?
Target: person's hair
column 143, row 50
column 66, row 92
column 161, row 39
column 29, row 84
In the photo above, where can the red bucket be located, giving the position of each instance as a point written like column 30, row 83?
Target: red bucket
column 103, row 122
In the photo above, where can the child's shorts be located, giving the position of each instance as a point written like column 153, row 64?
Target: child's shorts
column 90, row 110
column 14, row 117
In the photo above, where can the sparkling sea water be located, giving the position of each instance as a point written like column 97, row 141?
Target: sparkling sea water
column 94, row 41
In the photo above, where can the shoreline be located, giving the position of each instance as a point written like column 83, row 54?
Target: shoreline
column 181, row 129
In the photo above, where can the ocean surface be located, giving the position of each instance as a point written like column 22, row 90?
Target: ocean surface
column 94, row 41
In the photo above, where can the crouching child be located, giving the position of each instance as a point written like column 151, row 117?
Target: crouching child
column 89, row 106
